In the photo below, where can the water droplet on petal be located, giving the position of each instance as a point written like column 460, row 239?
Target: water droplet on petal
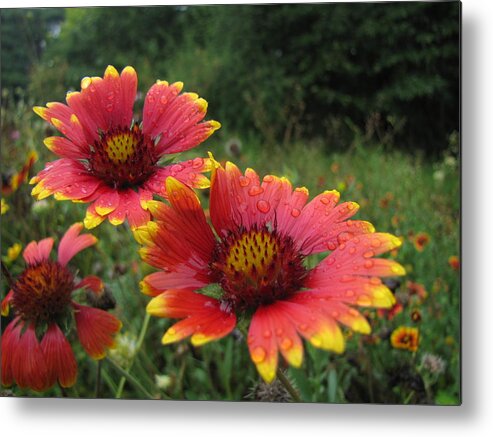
column 258, row 354
column 295, row 212
column 263, row 206
column 255, row 191
column 279, row 332
column 324, row 200
column 352, row 250
column 244, row 181
column 376, row 242
column 349, row 293
column 109, row 107
column 368, row 254
column 267, row 334
column 268, row 178
column 286, row 344
column 369, row 264
column 197, row 163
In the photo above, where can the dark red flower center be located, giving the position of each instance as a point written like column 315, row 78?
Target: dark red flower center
column 43, row 292
column 123, row 158
column 257, row 267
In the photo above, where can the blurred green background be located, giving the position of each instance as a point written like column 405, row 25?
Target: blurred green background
column 363, row 98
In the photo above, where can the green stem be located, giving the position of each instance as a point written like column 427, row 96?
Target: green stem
column 288, row 386
column 97, row 392
column 140, row 341
column 134, row 381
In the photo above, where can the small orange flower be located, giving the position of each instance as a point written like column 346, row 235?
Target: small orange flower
column 405, row 337
column 385, row 201
column 334, row 168
column 12, row 183
column 392, row 312
column 454, row 262
column 421, row 240
column 415, row 289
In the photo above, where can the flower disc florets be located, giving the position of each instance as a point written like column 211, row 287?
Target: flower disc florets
column 43, row 292
column 257, row 267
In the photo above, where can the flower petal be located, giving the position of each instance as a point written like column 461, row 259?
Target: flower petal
column 65, row 148
column 189, row 172
column 10, row 339
column 96, row 330
column 203, row 317
column 92, row 283
column 28, row 364
column 72, row 243
column 37, row 251
column 59, row 357
column 6, row 303
column 130, row 206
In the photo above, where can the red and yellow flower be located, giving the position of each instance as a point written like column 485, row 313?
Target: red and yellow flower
column 405, row 337
column 11, row 184
column 250, row 262
column 35, row 350
column 421, row 240
column 454, row 262
column 111, row 162
column 390, row 313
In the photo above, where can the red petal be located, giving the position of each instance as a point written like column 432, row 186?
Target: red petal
column 203, row 317
column 65, row 148
column 37, row 252
column 72, row 243
column 130, row 206
column 6, row 303
column 60, row 359
column 10, row 339
column 29, row 368
column 96, row 329
column 92, row 283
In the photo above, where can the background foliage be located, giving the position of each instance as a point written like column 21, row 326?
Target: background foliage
column 363, row 98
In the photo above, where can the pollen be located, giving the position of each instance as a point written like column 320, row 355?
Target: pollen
column 257, row 267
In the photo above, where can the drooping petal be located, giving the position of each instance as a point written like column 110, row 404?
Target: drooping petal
column 6, row 303
column 72, row 243
column 29, row 369
column 59, row 357
column 189, row 172
column 10, row 339
column 203, row 317
column 92, row 283
column 96, row 330
column 38, row 251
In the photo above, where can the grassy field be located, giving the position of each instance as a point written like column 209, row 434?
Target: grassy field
column 402, row 194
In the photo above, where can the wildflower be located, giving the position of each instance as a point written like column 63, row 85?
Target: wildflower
column 4, row 206
column 35, row 349
column 416, row 316
column 433, row 363
column 389, row 314
column 405, row 338
column 335, row 167
column 233, row 148
column 251, row 263
column 111, row 162
column 454, row 262
column 415, row 289
column 421, row 240
column 13, row 252
column 12, row 183
column 125, row 349
column 386, row 200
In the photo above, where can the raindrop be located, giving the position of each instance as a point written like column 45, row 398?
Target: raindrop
column 368, row 254
column 244, row 181
column 295, row 212
column 263, row 206
column 255, row 191
column 258, row 354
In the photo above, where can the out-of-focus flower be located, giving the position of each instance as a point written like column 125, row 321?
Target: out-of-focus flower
column 41, row 206
column 449, row 340
column 111, row 162
column 125, row 349
column 389, row 314
column 433, row 363
column 421, row 240
column 386, row 200
column 439, row 175
column 4, row 207
column 233, row 148
column 416, row 316
column 454, row 262
column 450, row 161
column 415, row 289
column 251, row 263
column 405, row 337
column 35, row 350
column 15, row 135
column 13, row 252
column 335, row 167
column 163, row 382
column 12, row 183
